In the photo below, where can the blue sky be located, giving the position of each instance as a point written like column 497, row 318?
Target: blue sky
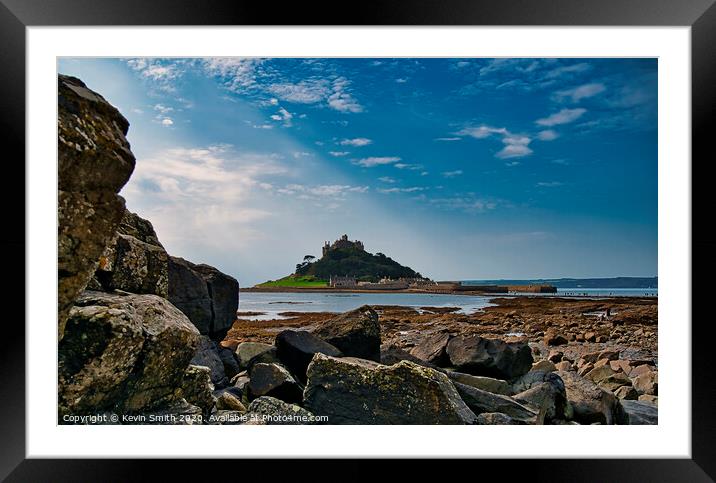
column 459, row 168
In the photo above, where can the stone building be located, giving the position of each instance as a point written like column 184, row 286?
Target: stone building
column 342, row 242
column 342, row 282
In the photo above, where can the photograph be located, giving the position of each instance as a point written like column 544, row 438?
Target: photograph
column 357, row 240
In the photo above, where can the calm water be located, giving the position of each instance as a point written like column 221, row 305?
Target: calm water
column 274, row 303
column 609, row 292
column 271, row 304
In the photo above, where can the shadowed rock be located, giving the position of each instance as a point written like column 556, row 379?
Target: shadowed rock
column 355, row 333
column 432, row 349
column 486, row 402
column 489, row 357
column 296, row 348
column 208, row 297
column 273, row 380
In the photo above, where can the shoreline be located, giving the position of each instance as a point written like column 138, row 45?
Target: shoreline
column 441, row 292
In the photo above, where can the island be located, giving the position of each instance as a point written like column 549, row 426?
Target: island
column 346, row 265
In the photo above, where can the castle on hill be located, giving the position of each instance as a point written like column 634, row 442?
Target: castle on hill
column 342, row 242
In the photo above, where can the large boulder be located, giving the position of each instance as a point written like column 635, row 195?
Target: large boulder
column 589, row 402
column 296, row 348
column 207, row 296
column 358, row 391
column 136, row 261
column 489, row 357
column 126, row 353
column 355, row 333
column 432, row 349
column 94, row 163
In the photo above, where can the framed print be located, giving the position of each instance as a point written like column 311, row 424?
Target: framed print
column 431, row 231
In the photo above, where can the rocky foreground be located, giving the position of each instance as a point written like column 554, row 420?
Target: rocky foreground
column 527, row 360
column 148, row 338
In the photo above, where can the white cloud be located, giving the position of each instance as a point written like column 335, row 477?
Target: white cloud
column 401, row 80
column 283, row 116
column 568, row 69
column 162, row 108
column 448, row 139
column 202, row 197
column 412, row 189
column 482, row 132
column 309, row 91
column 564, row 116
column 468, row 204
column 161, row 73
column 547, row 135
column 238, row 74
column 582, row 92
column 321, row 191
column 387, row 179
column 356, row 142
column 376, row 161
column 516, row 146
column 167, row 122
column 549, row 184
column 452, row 174
column 412, row 167
column 341, row 99
column 338, row 154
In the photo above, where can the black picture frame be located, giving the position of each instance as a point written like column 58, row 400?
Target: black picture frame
column 16, row 15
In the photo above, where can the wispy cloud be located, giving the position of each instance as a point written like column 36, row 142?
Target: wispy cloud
column 338, row 154
column 452, row 174
column 411, row 167
column 411, row 189
column 549, row 184
column 565, row 116
column 585, row 91
column 387, row 179
column 355, row 142
column 283, row 116
column 467, row 203
column 321, row 191
column 376, row 161
column 448, row 139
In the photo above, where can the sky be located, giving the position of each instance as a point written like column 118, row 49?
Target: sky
column 459, row 168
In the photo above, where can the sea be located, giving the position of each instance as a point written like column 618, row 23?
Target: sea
column 271, row 304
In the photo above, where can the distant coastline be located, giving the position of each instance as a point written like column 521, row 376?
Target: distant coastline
column 572, row 283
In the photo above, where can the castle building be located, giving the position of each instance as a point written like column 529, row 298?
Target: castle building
column 342, row 242
column 342, row 282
